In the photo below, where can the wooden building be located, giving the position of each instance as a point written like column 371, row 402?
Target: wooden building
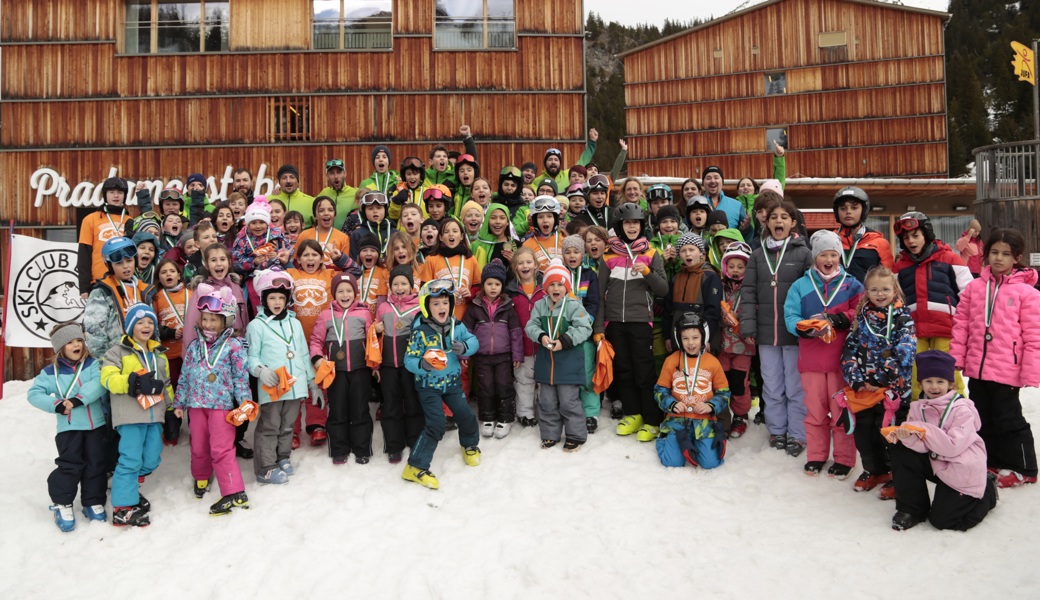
column 854, row 88
column 155, row 90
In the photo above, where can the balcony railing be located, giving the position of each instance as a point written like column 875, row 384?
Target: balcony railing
column 1007, row 171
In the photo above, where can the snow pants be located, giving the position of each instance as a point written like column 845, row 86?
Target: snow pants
column 634, row 372
column 523, row 383
column 821, row 416
column 559, row 409
column 272, row 434
column 140, row 451
column 782, row 390
column 949, row 509
column 1008, row 437
column 213, row 449
column 432, row 402
column 402, row 416
column 81, row 467
column 350, row 420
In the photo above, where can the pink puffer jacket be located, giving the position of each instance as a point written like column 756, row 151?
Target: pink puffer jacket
column 1012, row 357
column 957, row 453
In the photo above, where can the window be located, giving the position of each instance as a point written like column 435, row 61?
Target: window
column 474, row 24
column 289, row 119
column 162, row 26
column 829, row 39
column 352, row 24
column 776, row 83
column 834, row 46
column 779, row 134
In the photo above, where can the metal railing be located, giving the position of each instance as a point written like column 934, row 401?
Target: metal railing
column 1007, row 171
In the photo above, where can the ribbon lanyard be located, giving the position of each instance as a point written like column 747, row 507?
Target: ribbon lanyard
column 324, row 244
column 773, row 269
column 846, row 255
column 834, row 292
column 631, row 257
column 75, row 378
column 946, row 413
column 122, row 221
column 399, row 315
column 554, row 330
column 451, row 272
column 991, row 302
column 341, row 332
column 379, row 235
column 576, row 278
column 152, row 366
column 179, row 316
column 888, row 326
column 126, row 294
column 736, row 301
column 267, row 239
column 446, row 344
column 548, row 258
column 686, row 372
column 205, row 353
column 368, row 286
column 288, row 341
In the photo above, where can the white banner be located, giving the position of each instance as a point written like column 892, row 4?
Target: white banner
column 43, row 289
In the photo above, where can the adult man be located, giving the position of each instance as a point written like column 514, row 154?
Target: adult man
column 242, row 182
column 197, row 183
column 338, row 190
column 291, row 195
column 735, row 211
column 553, row 162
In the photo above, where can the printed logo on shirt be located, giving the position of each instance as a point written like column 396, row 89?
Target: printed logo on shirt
column 310, row 293
column 701, row 385
column 107, row 232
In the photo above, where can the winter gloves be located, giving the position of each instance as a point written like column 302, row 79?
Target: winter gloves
column 268, row 377
column 144, row 384
column 458, row 347
column 317, row 395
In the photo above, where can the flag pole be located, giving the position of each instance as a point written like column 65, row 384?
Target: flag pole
column 7, row 317
column 1036, row 98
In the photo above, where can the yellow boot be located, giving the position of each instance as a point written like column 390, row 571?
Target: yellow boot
column 630, row 425
column 420, row 476
column 472, row 456
column 647, row 433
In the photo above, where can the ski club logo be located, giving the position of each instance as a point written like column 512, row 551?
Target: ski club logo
column 310, row 295
column 46, row 291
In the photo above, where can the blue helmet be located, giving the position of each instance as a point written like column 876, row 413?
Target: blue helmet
column 118, row 249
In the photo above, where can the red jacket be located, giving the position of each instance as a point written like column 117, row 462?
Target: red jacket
column 932, row 284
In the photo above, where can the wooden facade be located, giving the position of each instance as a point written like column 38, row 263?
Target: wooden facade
column 862, row 94
column 74, row 100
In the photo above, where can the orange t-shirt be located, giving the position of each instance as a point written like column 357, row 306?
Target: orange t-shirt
column 465, row 272
column 677, row 374
column 333, row 238
column 96, row 229
column 545, row 249
column 372, row 285
column 310, row 295
column 171, row 307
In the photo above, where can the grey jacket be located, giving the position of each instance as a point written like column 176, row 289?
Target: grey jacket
column 762, row 305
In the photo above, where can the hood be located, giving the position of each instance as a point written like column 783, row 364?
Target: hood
column 1018, row 275
column 484, row 234
column 730, row 233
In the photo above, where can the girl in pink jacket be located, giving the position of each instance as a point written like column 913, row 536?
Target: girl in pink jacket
column 939, row 442
column 996, row 342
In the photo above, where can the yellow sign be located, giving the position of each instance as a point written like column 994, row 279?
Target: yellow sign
column 1024, row 63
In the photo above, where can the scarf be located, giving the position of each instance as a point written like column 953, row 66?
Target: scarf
column 445, row 251
column 773, row 244
column 209, row 336
column 176, row 288
column 687, row 286
column 827, row 278
column 617, row 246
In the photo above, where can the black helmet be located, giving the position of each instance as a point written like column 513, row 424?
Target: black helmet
column 510, row 174
column 911, row 221
column 691, row 320
column 114, row 183
column 629, row 211
column 851, row 194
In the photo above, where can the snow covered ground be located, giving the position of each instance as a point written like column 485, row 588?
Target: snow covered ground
column 607, row 521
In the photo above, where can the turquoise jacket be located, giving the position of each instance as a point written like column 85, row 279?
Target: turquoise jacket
column 48, row 391
column 427, row 335
column 265, row 339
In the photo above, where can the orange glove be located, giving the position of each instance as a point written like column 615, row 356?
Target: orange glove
column 247, row 411
column 597, row 337
column 436, row 358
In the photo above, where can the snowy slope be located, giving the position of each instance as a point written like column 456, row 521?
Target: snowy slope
column 607, row 521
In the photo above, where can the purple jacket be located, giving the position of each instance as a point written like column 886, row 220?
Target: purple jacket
column 951, row 438
column 1012, row 356
column 500, row 334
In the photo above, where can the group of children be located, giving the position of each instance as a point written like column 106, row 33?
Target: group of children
column 517, row 304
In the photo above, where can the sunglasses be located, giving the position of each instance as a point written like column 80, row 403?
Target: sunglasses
column 374, row 198
column 208, row 304
column 906, row 225
column 170, row 194
column 598, row 182
column 440, row 287
column 334, row 164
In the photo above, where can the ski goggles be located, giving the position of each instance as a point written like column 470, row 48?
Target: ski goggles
column 576, row 189
column 511, row 172
column 466, row 159
column 206, row 303
column 440, row 287
column 598, row 182
column 374, row 198
column 413, row 163
column 659, row 192
column 435, row 194
column 742, row 246
column 335, row 163
column 906, row 225
column 544, row 203
column 171, row 194
column 118, row 256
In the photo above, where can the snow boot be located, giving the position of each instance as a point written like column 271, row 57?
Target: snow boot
column 839, row 471
column 738, row 427
column 273, row 476
column 629, row 425
column 487, row 429
column 502, row 430
column 813, row 467
column 421, row 476
column 319, row 437
column 904, row 520
column 134, row 516
column 1006, row 478
column 795, row 447
column 286, row 467
column 591, row 424
column 887, row 491
column 95, row 513
column 471, row 455
column 647, row 433
column 868, row 481
column 225, row 504
column 778, row 442
column 572, row 445
column 546, row 444
column 201, row 487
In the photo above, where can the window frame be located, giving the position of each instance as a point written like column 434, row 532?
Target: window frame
column 277, row 106
column 768, row 81
column 343, row 30
column 485, row 22
column 153, row 31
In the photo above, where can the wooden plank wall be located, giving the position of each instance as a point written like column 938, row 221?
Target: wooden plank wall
column 29, row 20
column 270, row 24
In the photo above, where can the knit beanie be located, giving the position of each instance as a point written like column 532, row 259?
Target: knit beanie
column 824, row 240
column 403, row 271
column 975, row 225
column 573, row 241
column 344, row 278
column 549, row 181
column 468, row 205
column 669, row 211
column 691, row 238
column 712, row 169
column 137, row 312
column 494, row 270
column 935, row 363
column 529, row 166
column 368, row 240
column 195, row 178
column 557, row 272
column 552, row 152
column 259, row 210
column 717, row 217
column 63, row 333
column 771, row 185
column 282, row 170
column 377, row 150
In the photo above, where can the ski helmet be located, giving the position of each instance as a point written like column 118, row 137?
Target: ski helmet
column 691, row 320
column 851, row 194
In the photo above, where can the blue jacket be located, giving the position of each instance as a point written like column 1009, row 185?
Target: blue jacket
column 231, row 384
column 803, row 302
column 863, row 359
column 427, row 335
column 734, row 210
column 46, row 393
column 267, row 350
